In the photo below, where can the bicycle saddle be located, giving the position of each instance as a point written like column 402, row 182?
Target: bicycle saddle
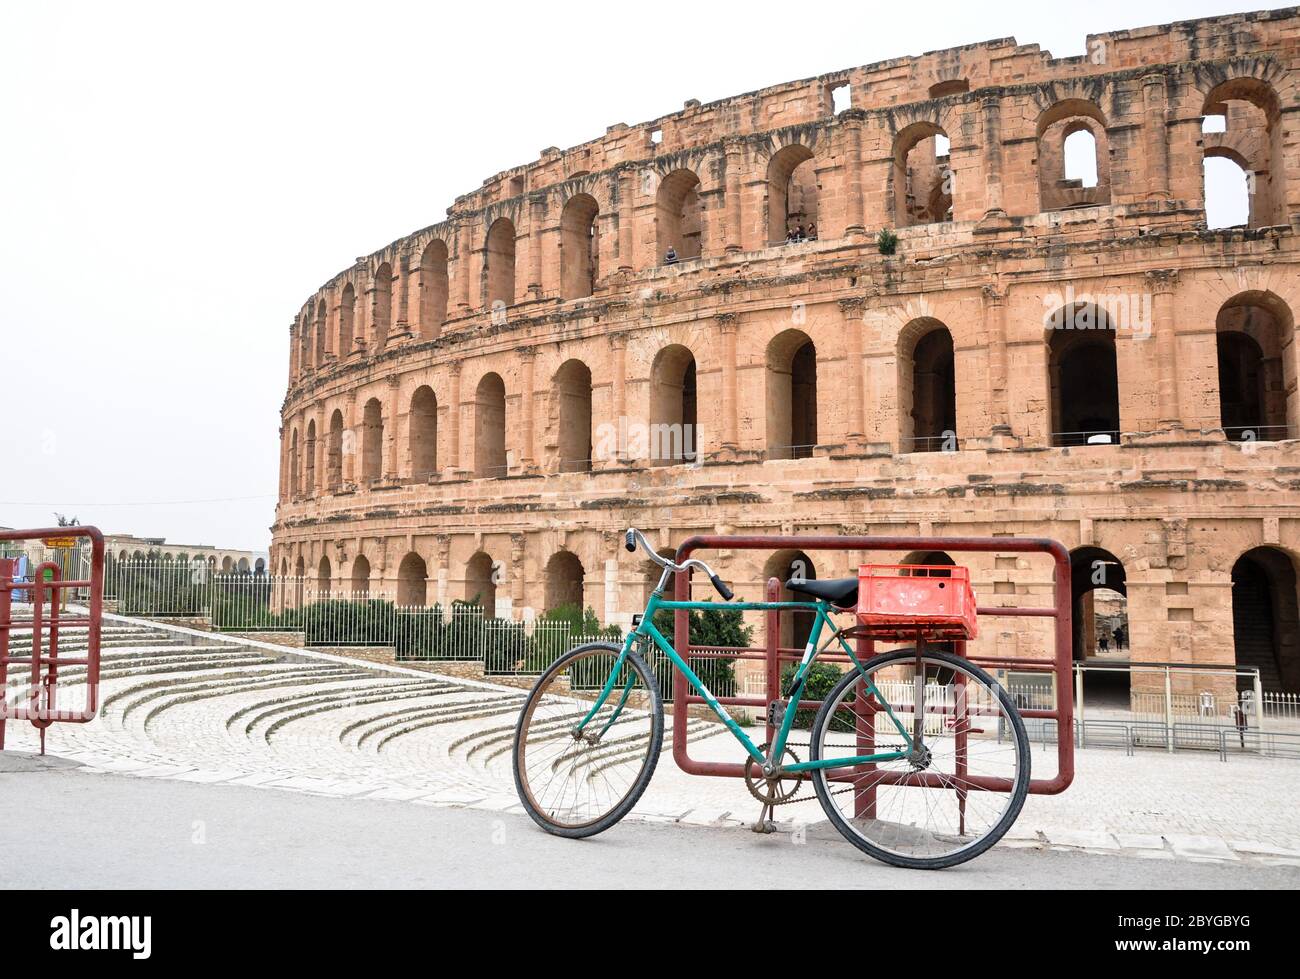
column 838, row 591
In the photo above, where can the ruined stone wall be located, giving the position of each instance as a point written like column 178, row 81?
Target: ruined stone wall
column 541, row 314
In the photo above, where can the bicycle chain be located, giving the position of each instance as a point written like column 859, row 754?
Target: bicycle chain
column 805, row 798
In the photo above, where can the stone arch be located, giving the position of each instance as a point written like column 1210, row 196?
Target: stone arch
column 359, row 580
column 434, row 288
column 334, row 452
column 1083, row 373
column 579, row 247
column 565, row 581
column 927, row 390
column 792, row 192
column 572, row 386
column 480, row 583
column 1266, row 617
column 422, row 433
column 412, row 581
column 1254, row 113
column 679, row 216
column 791, row 396
column 324, row 575
column 673, row 435
column 381, row 309
column 1272, row 403
column 372, row 440
column 921, row 179
column 347, row 319
column 499, row 263
column 490, row 427
column 787, row 565
column 1062, row 122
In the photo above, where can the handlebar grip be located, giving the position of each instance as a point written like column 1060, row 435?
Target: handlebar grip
column 629, row 541
column 726, row 593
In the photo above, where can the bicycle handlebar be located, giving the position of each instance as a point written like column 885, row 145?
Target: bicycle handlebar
column 635, row 537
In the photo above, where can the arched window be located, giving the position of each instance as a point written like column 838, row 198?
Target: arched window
column 564, row 581
column 1101, row 626
column 490, row 427
column 372, row 441
column 423, row 434
column 1084, row 377
column 791, row 194
column 1227, row 190
column 334, row 453
column 1254, row 335
column 922, row 180
column 1253, row 138
column 679, row 222
column 360, row 582
column 674, row 434
column 323, row 576
column 347, row 308
column 573, row 392
column 433, row 289
column 791, row 396
column 480, row 583
column 412, row 584
column 1073, row 156
column 499, row 254
column 382, row 306
column 927, row 388
column 579, row 247
column 310, row 458
column 321, row 326
column 1266, row 618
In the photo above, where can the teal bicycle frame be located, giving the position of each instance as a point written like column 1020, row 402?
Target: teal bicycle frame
column 646, row 630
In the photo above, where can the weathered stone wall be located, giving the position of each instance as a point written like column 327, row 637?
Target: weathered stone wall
column 462, row 338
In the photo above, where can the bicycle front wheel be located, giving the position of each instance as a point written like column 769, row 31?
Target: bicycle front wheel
column 944, row 803
column 575, row 781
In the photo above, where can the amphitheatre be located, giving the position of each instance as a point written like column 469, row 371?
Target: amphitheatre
column 480, row 408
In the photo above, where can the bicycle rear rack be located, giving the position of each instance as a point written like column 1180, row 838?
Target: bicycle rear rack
column 772, row 655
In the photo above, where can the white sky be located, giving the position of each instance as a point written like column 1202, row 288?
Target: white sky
column 177, row 179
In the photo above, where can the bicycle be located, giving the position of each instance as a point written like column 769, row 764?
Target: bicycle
column 912, row 782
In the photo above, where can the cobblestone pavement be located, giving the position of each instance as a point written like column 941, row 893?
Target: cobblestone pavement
column 190, row 706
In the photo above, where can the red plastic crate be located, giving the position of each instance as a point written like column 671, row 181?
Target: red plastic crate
column 900, row 601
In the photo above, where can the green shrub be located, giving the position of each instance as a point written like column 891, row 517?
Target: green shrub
column 821, row 679
column 724, row 628
column 886, row 242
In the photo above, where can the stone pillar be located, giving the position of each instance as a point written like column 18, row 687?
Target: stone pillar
column 1155, row 139
column 464, row 267
column 728, row 326
column 402, row 319
column 442, row 561
column 293, row 352
column 518, row 554
column 856, row 423
column 528, row 358
column 453, row 418
column 1162, row 282
column 995, row 335
column 618, row 348
column 536, row 218
column 853, row 210
column 991, row 107
column 735, row 230
column 351, row 442
column 626, row 195
column 391, row 430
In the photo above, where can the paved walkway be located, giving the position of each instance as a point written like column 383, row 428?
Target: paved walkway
column 247, row 714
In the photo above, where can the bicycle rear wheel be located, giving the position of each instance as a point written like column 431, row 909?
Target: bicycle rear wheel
column 935, row 808
column 578, row 783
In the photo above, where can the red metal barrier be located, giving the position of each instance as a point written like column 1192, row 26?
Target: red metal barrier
column 1060, row 664
column 40, row 704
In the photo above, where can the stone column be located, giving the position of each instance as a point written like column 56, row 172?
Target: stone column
column 618, row 397
column 464, row 266
column 626, row 195
column 392, row 438
column 293, row 352
column 729, row 442
column 1162, row 283
column 528, row 358
column 856, row 423
column 991, row 107
column 735, row 230
column 350, row 439
column 518, row 554
column 402, row 319
column 995, row 335
column 1155, row 139
column 453, row 418
column 536, row 217
column 854, row 222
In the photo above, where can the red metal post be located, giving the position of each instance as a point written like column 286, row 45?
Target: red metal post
column 6, row 597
